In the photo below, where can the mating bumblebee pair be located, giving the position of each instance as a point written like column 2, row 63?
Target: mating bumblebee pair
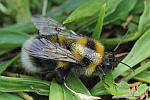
column 57, row 50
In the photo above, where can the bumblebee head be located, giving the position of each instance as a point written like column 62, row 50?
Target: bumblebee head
column 110, row 61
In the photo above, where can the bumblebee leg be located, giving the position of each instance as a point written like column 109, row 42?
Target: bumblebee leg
column 61, row 75
column 104, row 74
column 102, row 71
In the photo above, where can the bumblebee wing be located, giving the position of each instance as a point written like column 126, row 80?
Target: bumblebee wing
column 48, row 26
column 42, row 48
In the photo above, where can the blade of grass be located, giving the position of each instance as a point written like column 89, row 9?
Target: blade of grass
column 4, row 10
column 10, row 39
column 99, row 90
column 74, row 83
column 55, row 91
column 66, row 7
column 11, row 84
column 7, row 96
column 85, row 10
column 139, row 52
column 139, row 8
column 5, row 64
column 5, row 51
column 121, row 11
column 111, row 88
column 112, row 8
column 144, row 23
column 27, row 27
column 137, row 71
column 115, row 41
column 21, row 8
column 99, row 25
column 63, row 93
column 143, row 77
column 68, row 95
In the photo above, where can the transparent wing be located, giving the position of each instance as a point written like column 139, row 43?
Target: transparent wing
column 42, row 48
column 48, row 26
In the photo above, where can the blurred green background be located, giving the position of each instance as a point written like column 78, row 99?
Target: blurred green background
column 105, row 20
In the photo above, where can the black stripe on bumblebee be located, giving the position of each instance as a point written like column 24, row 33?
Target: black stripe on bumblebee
column 41, row 54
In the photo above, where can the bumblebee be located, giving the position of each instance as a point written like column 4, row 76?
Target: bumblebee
column 57, row 50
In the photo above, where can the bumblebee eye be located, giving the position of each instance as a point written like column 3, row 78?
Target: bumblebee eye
column 85, row 62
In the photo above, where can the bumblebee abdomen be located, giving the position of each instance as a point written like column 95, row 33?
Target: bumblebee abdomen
column 89, row 52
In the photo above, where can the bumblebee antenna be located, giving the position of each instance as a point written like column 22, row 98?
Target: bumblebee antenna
column 126, row 65
column 120, row 41
column 117, row 48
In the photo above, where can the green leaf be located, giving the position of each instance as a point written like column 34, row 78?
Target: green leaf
column 139, row 52
column 138, row 70
column 112, row 8
column 11, row 39
column 124, row 88
column 141, row 89
column 68, row 95
column 66, row 7
column 61, row 92
column 99, row 90
column 147, row 99
column 111, row 88
column 55, row 91
column 7, row 96
column 98, row 28
column 143, row 77
column 74, row 83
column 121, row 11
column 139, row 8
column 3, row 51
column 85, row 10
column 4, row 10
column 23, row 27
column 11, row 84
column 21, row 8
column 5, row 64
column 115, row 41
column 144, row 23
column 132, row 27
